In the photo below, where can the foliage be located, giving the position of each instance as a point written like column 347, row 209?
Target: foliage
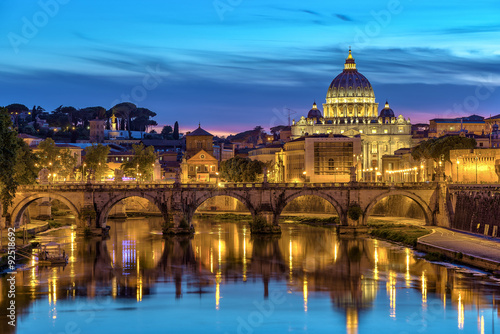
column 27, row 167
column 354, row 212
column 96, row 160
column 258, row 223
column 183, row 223
column 240, row 169
column 123, row 111
column 9, row 145
column 166, row 132
column 176, row 131
column 141, row 165
column 55, row 159
column 140, row 118
column 436, row 148
column 406, row 234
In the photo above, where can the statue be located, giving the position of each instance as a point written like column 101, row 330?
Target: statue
column 118, row 175
column 43, row 176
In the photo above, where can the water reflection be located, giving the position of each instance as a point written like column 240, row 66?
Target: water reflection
column 229, row 270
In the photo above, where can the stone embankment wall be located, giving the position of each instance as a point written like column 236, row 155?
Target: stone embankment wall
column 478, row 213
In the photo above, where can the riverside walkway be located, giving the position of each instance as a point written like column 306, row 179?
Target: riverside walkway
column 476, row 250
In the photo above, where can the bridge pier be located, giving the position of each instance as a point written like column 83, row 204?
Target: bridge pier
column 265, row 222
column 177, row 222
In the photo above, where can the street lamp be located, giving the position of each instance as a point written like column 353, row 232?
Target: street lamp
column 153, row 173
column 458, row 162
column 305, row 177
column 83, row 172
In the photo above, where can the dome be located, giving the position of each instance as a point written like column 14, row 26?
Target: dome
column 386, row 112
column 314, row 112
column 350, row 83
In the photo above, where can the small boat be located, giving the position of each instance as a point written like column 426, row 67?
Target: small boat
column 52, row 254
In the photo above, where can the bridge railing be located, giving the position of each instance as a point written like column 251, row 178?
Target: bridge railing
column 76, row 186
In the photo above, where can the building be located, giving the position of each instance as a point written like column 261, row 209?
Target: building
column 474, row 166
column 351, row 110
column 473, row 124
column 199, row 140
column 321, row 158
column 31, row 141
column 492, row 121
column 202, row 167
column 199, row 163
column 97, row 127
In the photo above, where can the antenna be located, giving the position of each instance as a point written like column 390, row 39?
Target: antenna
column 290, row 112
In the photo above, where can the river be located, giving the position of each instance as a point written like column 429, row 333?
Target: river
column 223, row 280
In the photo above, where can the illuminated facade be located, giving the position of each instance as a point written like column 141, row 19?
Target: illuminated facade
column 350, row 109
column 321, row 158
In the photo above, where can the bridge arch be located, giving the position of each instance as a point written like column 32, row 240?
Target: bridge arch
column 102, row 214
column 417, row 199
column 19, row 209
column 212, row 194
column 309, row 192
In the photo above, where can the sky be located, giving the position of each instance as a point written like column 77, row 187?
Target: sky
column 232, row 65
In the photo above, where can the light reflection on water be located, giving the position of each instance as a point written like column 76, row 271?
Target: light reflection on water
column 225, row 280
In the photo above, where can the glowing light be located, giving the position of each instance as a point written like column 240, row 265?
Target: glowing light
column 391, row 290
column 424, row 289
column 244, row 255
column 290, row 259
column 305, row 292
column 408, row 276
column 460, row 312
column 217, row 289
column 375, row 270
column 335, row 252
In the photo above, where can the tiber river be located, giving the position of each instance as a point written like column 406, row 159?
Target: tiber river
column 223, row 280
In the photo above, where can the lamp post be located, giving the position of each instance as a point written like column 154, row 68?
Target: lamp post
column 458, row 162
column 83, row 172
column 305, row 176
column 137, row 173
column 153, row 173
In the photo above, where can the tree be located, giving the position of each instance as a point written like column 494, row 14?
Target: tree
column 176, row 131
column 166, row 132
column 16, row 162
column 96, row 160
column 240, row 169
column 15, row 110
column 58, row 161
column 123, row 111
column 141, row 166
column 140, row 119
column 438, row 148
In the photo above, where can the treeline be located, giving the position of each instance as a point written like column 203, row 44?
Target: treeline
column 74, row 123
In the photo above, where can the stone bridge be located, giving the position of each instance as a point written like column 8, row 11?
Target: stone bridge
column 92, row 202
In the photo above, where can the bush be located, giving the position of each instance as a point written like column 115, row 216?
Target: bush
column 183, row 223
column 354, row 212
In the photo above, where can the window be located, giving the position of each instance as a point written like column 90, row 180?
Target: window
column 386, row 131
column 374, row 130
column 331, row 164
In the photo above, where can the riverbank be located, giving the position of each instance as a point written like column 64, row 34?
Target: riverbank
column 407, row 231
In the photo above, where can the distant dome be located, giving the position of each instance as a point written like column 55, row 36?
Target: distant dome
column 314, row 112
column 386, row 112
column 350, row 83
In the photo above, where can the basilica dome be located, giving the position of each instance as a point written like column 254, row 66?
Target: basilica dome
column 350, row 83
column 386, row 112
column 314, row 112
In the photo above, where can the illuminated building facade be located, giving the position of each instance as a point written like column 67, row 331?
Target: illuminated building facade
column 350, row 110
column 473, row 124
column 321, row 158
column 199, row 163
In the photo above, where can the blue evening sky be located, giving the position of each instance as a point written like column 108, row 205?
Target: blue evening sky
column 236, row 64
